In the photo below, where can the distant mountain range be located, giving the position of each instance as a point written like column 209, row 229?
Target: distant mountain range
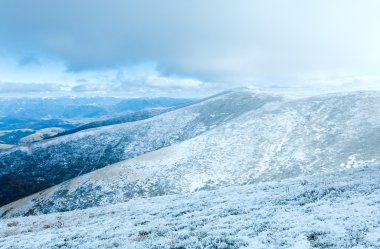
column 235, row 138
column 68, row 108
column 29, row 120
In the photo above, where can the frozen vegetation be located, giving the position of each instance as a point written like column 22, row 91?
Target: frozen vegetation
column 278, row 140
column 331, row 210
column 237, row 170
column 29, row 168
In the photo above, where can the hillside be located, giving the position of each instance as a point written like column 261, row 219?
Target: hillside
column 335, row 210
column 279, row 140
column 29, row 168
column 129, row 117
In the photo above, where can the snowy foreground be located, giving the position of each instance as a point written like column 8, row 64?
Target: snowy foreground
column 338, row 210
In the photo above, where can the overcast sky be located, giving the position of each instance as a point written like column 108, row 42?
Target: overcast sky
column 186, row 48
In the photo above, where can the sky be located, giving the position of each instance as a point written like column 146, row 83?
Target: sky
column 186, row 48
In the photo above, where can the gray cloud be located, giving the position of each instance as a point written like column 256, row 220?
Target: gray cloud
column 122, row 83
column 88, row 88
column 28, row 60
column 219, row 41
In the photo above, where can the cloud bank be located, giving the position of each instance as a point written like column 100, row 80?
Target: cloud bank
column 227, row 43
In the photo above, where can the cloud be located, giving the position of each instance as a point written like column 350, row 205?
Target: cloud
column 14, row 87
column 28, row 60
column 89, row 88
column 166, row 82
column 124, row 83
column 207, row 40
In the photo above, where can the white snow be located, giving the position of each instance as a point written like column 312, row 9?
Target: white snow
column 286, row 139
column 273, row 142
column 335, row 210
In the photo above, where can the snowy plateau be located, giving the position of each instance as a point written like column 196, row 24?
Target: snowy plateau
column 241, row 169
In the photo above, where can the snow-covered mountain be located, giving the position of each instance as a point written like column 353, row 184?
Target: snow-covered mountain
column 273, row 141
column 29, row 168
column 334, row 210
column 120, row 119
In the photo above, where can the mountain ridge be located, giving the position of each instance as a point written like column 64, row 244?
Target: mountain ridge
column 30, row 168
column 279, row 140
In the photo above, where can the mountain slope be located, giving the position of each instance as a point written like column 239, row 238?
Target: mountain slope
column 336, row 210
column 30, row 168
column 129, row 117
column 279, row 140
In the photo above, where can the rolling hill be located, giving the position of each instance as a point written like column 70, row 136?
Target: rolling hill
column 272, row 141
column 29, row 168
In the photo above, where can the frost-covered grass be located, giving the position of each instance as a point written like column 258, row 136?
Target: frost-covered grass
column 336, row 210
column 37, row 166
column 278, row 140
